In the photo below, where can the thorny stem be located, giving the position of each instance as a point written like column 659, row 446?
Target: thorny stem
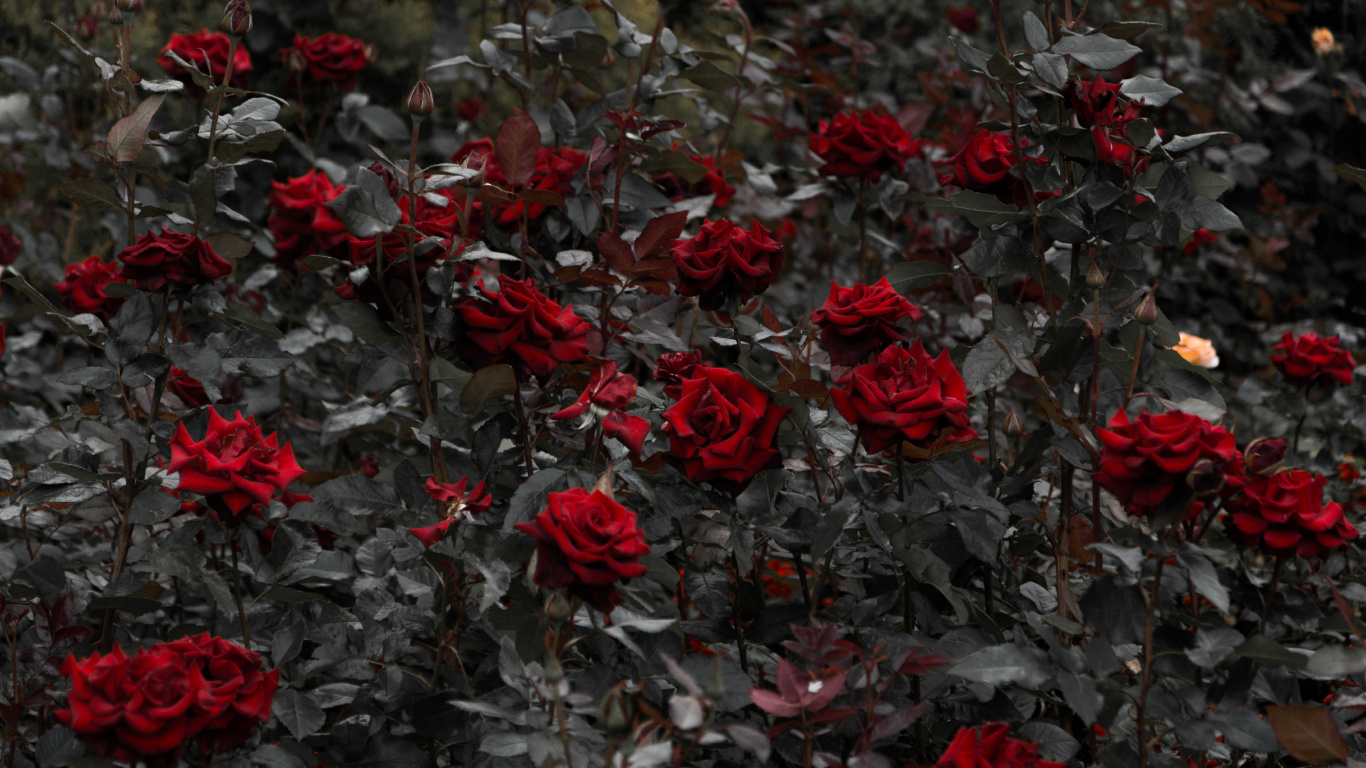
column 1133, row 370
column 428, row 390
column 218, row 97
column 1151, row 598
column 237, row 591
column 740, row 86
column 869, row 263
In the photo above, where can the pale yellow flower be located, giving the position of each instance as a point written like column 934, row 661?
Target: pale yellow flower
column 1322, row 39
column 1197, row 351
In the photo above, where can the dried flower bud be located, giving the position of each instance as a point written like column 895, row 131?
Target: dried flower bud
column 1013, row 425
column 557, row 609
column 1146, row 312
column 420, row 101
column 1265, row 455
column 616, row 710
column 1206, row 478
column 1095, row 279
column 236, row 18
column 132, row 6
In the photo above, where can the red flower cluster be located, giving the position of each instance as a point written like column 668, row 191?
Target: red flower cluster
column 905, row 396
column 10, row 246
column 1307, row 359
column 82, row 290
column 329, row 58
column 862, row 144
column 147, row 707
column 555, row 166
column 723, row 262
column 983, row 165
column 234, row 467
column 208, row 51
column 585, row 543
column 677, row 188
column 722, row 429
column 989, row 746
column 521, row 326
column 1100, row 104
column 1145, row 461
column 161, row 257
column 1284, row 514
column 856, row 321
column 456, row 500
column 673, row 367
column 607, row 394
column 301, row 223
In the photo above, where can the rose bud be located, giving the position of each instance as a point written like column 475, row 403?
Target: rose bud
column 1206, row 478
column 554, row 671
column 1013, row 425
column 1265, row 455
column 420, row 101
column 1146, row 312
column 614, row 713
column 296, row 61
column 236, row 18
column 1095, row 279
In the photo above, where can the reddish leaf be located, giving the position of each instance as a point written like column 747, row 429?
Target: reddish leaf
column 542, row 196
column 126, row 138
column 659, row 233
column 919, row 663
column 599, row 277
column 660, row 268
column 1308, row 733
column 772, row 703
column 657, row 287
column 771, row 320
column 809, row 389
column 617, row 252
column 891, row 725
column 518, row 140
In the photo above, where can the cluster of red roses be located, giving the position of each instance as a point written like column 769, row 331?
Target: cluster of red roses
column 148, row 706
column 329, row 58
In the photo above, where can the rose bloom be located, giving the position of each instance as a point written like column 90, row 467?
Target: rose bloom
column 521, row 326
column 1285, row 515
column 1100, row 104
column 234, row 467
column 677, row 188
column 983, row 165
column 1197, row 351
column 1144, row 462
column 856, row 321
column 158, row 258
column 10, row 246
column 82, row 290
column 990, row 746
column 208, row 51
column 905, row 396
column 300, row 222
column 554, row 168
column 673, row 367
column 723, row 262
column 331, row 58
column 240, row 692
column 1322, row 40
column 722, row 429
column 862, row 144
column 1306, row 359
column 964, row 18
column 1200, row 237
column 607, row 394
column 1112, row 149
column 585, row 543
column 456, row 501
column 144, row 708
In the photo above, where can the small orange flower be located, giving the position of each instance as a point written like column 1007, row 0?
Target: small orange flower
column 1322, row 40
column 1197, row 351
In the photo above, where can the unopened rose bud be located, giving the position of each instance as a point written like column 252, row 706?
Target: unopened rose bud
column 420, row 101
column 1013, row 425
column 716, row 686
column 371, row 53
column 554, row 672
column 1095, row 279
column 236, row 18
column 1206, row 478
column 1146, row 312
column 132, row 6
column 296, row 62
column 100, row 11
column 1265, row 455
column 557, row 609
column 616, row 711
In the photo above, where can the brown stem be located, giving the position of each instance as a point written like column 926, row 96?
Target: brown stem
column 740, row 85
column 1271, row 593
column 1133, row 369
column 1063, row 552
column 218, row 97
column 237, row 590
column 1151, row 598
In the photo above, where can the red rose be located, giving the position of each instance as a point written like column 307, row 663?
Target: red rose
column 964, row 18
column 240, row 692
column 989, row 746
column 586, row 543
column 554, row 168
column 369, row 465
column 1144, row 461
column 456, row 501
column 1285, row 514
column 1112, row 148
column 143, row 708
column 1100, row 104
column 180, row 259
column 1265, row 455
column 865, row 144
column 856, row 321
column 330, row 58
column 905, row 396
column 209, row 52
column 673, row 367
column 1307, row 359
column 301, row 222
column 10, row 246
column 723, row 262
column 677, row 188
column 471, row 109
column 608, row 393
column 984, row 163
column 235, row 467
column 82, row 290
column 722, row 429
column 1199, row 237
column 521, row 326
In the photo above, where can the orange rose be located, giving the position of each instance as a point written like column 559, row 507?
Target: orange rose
column 1197, row 351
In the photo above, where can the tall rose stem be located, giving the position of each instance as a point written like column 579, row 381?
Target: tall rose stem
column 237, row 590
column 424, row 368
column 1152, row 598
column 218, row 97
column 801, row 579
column 1271, row 593
column 1133, row 369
